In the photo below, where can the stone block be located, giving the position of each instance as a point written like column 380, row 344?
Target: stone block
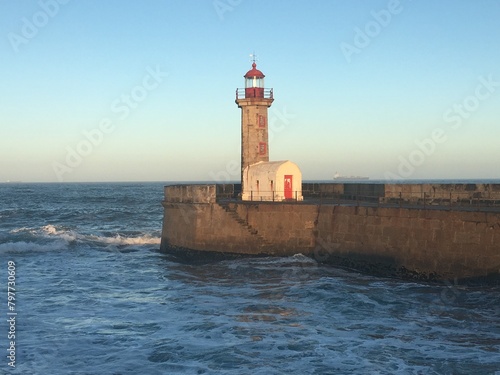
column 469, row 226
column 466, row 238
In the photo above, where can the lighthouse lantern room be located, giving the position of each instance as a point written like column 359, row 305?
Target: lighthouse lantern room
column 254, row 83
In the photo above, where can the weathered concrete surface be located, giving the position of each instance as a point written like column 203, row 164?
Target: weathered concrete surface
column 401, row 242
column 428, row 244
column 209, row 227
column 202, row 193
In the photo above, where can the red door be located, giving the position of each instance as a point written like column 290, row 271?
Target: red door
column 288, row 186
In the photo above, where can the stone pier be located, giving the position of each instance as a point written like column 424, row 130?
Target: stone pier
column 406, row 239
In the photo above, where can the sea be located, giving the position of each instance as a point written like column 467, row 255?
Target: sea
column 91, row 293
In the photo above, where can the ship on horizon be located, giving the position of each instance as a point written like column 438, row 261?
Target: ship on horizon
column 338, row 176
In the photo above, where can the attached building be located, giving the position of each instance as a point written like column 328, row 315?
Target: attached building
column 272, row 181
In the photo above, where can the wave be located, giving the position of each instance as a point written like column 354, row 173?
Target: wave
column 71, row 236
column 22, row 247
column 121, row 240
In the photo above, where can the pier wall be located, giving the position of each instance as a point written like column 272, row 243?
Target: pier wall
column 390, row 241
column 439, row 192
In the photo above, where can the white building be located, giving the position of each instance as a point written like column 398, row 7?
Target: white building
column 272, row 181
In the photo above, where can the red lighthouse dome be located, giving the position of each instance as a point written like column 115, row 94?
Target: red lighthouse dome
column 254, row 72
column 254, row 83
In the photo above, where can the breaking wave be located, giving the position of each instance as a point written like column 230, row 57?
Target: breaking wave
column 67, row 236
column 22, row 247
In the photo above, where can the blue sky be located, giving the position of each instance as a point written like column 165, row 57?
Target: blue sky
column 385, row 89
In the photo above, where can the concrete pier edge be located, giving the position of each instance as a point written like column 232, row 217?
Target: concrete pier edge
column 413, row 240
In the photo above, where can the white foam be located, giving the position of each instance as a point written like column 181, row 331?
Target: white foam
column 22, row 247
column 63, row 237
column 303, row 258
column 70, row 236
column 20, row 230
column 120, row 240
column 67, row 235
column 50, row 229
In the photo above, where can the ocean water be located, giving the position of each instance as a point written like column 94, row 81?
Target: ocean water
column 94, row 295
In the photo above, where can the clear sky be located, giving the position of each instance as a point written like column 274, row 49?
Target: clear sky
column 144, row 90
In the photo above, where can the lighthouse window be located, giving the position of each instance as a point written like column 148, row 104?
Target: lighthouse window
column 254, row 82
column 262, row 121
column 262, row 148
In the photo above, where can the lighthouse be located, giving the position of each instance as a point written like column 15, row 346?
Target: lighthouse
column 254, row 100
column 260, row 178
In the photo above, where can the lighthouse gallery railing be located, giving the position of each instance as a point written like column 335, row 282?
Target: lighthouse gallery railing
column 240, row 93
